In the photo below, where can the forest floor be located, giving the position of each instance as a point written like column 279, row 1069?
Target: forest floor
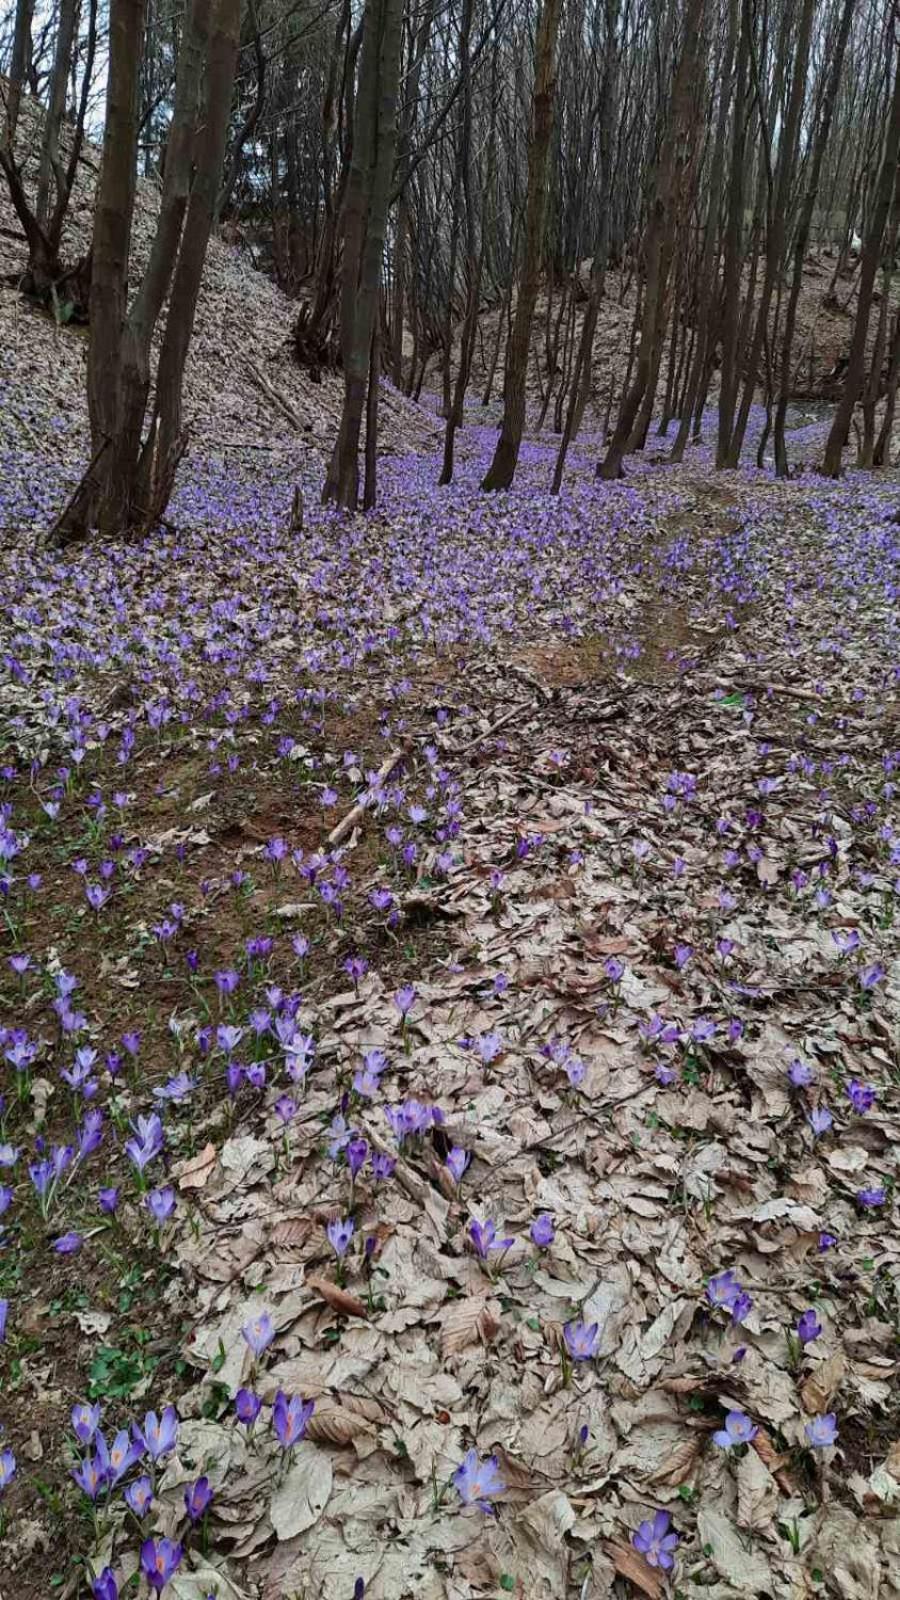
column 580, row 814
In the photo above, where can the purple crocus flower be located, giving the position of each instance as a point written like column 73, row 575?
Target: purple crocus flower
column 158, row 1435
column 108, row 1200
column 484, row 1238
column 259, row 1332
column 801, row 1074
column 827, row 1241
column 542, row 1231
column 90, row 1475
column 104, row 1586
column 339, row 1235
column 654, row 1541
column 67, row 1244
column 870, row 976
column 457, row 1161
column 382, row 1166
column 582, row 1339
column 290, row 1418
column 197, row 1498
column 357, row 1151
column 861, row 1096
column 614, row 969
column 478, row 1482
column 822, row 1431
column 139, row 1496
column 160, row 1560
column 247, row 1406
column 7, row 1469
column 738, row 1429
column 4, row 1312
column 820, row 1120
column 85, row 1421
column 160, row 1203
column 871, row 1199
column 405, row 999
column 723, row 1289
column 808, row 1327
column 121, row 1456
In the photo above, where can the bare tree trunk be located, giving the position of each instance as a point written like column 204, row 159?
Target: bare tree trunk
column 21, row 51
column 731, row 295
column 128, row 483
column 368, row 196
column 473, row 259
column 166, row 440
column 502, row 469
column 673, row 161
column 840, row 427
column 707, row 273
column 62, row 57
column 801, row 237
column 777, row 226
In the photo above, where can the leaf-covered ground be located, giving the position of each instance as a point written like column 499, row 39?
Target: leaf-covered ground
column 509, row 862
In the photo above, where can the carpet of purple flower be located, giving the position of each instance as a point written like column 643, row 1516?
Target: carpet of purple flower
column 451, row 1040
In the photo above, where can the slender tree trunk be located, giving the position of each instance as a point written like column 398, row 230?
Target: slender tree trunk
column 801, row 237
column 840, row 427
column 777, row 225
column 502, row 469
column 658, row 245
column 21, row 52
column 731, row 295
column 368, row 196
column 62, row 56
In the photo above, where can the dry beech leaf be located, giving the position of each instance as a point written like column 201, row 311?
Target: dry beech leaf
column 820, row 1388
column 337, row 1298
column 467, row 1322
column 335, row 1424
column 291, row 1232
column 678, row 1464
column 196, row 1173
column 629, row 1564
column 777, row 1464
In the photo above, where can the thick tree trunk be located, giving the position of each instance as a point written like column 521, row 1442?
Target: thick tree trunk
column 881, row 205
column 128, row 483
column 502, row 469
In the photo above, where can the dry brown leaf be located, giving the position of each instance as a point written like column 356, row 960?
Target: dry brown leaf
column 678, row 1464
column 465, row 1322
column 337, row 1298
column 777, row 1464
column 629, row 1564
column 820, row 1388
column 334, row 1424
column 291, row 1232
column 196, row 1172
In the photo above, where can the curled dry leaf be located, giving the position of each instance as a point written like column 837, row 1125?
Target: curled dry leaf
column 337, row 1298
column 820, row 1388
column 629, row 1564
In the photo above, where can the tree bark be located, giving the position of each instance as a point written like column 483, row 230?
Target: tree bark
column 674, row 159
column 365, row 219
column 887, row 173
column 502, row 469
